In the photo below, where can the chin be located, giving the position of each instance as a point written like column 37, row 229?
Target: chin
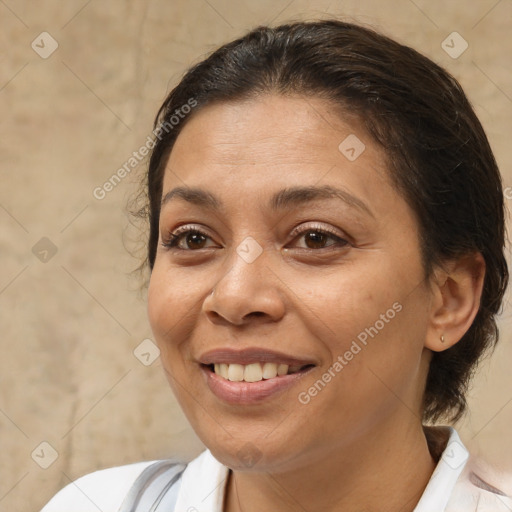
column 258, row 455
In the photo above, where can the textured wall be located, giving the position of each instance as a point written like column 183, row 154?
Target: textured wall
column 71, row 319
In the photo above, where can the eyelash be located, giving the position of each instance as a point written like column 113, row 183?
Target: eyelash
column 173, row 238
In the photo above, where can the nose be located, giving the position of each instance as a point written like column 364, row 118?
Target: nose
column 246, row 293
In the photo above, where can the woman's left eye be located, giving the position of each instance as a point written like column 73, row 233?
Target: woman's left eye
column 317, row 237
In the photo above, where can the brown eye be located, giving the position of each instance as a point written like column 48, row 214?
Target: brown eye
column 316, row 238
column 193, row 239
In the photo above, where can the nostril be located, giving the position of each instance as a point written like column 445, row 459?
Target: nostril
column 256, row 313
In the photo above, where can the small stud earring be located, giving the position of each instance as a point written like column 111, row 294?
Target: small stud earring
column 442, row 338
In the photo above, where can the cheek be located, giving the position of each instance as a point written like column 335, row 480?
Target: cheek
column 371, row 317
column 380, row 337
column 166, row 293
column 163, row 315
column 166, row 305
column 156, row 302
column 346, row 303
column 173, row 307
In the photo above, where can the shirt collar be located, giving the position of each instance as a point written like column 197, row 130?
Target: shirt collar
column 204, row 481
column 448, row 470
column 203, row 484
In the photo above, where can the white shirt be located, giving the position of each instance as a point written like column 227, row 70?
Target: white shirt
column 457, row 485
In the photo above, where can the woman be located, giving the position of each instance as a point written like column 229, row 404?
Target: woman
column 326, row 252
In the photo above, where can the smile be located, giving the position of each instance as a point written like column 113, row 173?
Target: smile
column 265, row 380
column 254, row 372
column 250, row 375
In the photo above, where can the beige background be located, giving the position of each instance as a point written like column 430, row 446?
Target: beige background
column 70, row 324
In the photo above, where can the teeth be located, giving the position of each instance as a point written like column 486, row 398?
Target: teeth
column 235, row 372
column 222, row 370
column 253, row 372
column 282, row 369
column 269, row 370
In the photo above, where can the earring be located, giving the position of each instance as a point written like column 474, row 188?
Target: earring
column 442, row 338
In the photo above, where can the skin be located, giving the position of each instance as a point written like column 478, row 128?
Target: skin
column 363, row 430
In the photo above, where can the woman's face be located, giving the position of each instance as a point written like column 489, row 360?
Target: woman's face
column 300, row 274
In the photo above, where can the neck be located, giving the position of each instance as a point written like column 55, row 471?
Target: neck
column 388, row 465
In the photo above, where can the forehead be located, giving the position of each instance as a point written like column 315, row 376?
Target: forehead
column 267, row 127
column 261, row 145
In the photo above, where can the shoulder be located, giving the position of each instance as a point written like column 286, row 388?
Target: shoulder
column 482, row 487
column 100, row 490
column 461, row 481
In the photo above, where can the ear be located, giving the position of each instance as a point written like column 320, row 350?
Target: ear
column 456, row 292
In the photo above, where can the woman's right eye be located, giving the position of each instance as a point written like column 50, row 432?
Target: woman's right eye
column 193, row 238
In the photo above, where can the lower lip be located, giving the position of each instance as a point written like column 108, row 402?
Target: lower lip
column 244, row 393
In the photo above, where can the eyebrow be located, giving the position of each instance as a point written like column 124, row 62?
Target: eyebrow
column 291, row 196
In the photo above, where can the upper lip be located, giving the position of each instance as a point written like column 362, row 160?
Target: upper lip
column 251, row 355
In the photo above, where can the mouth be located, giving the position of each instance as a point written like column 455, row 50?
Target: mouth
column 252, row 375
column 254, row 372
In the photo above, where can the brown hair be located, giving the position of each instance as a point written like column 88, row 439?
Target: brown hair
column 439, row 156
